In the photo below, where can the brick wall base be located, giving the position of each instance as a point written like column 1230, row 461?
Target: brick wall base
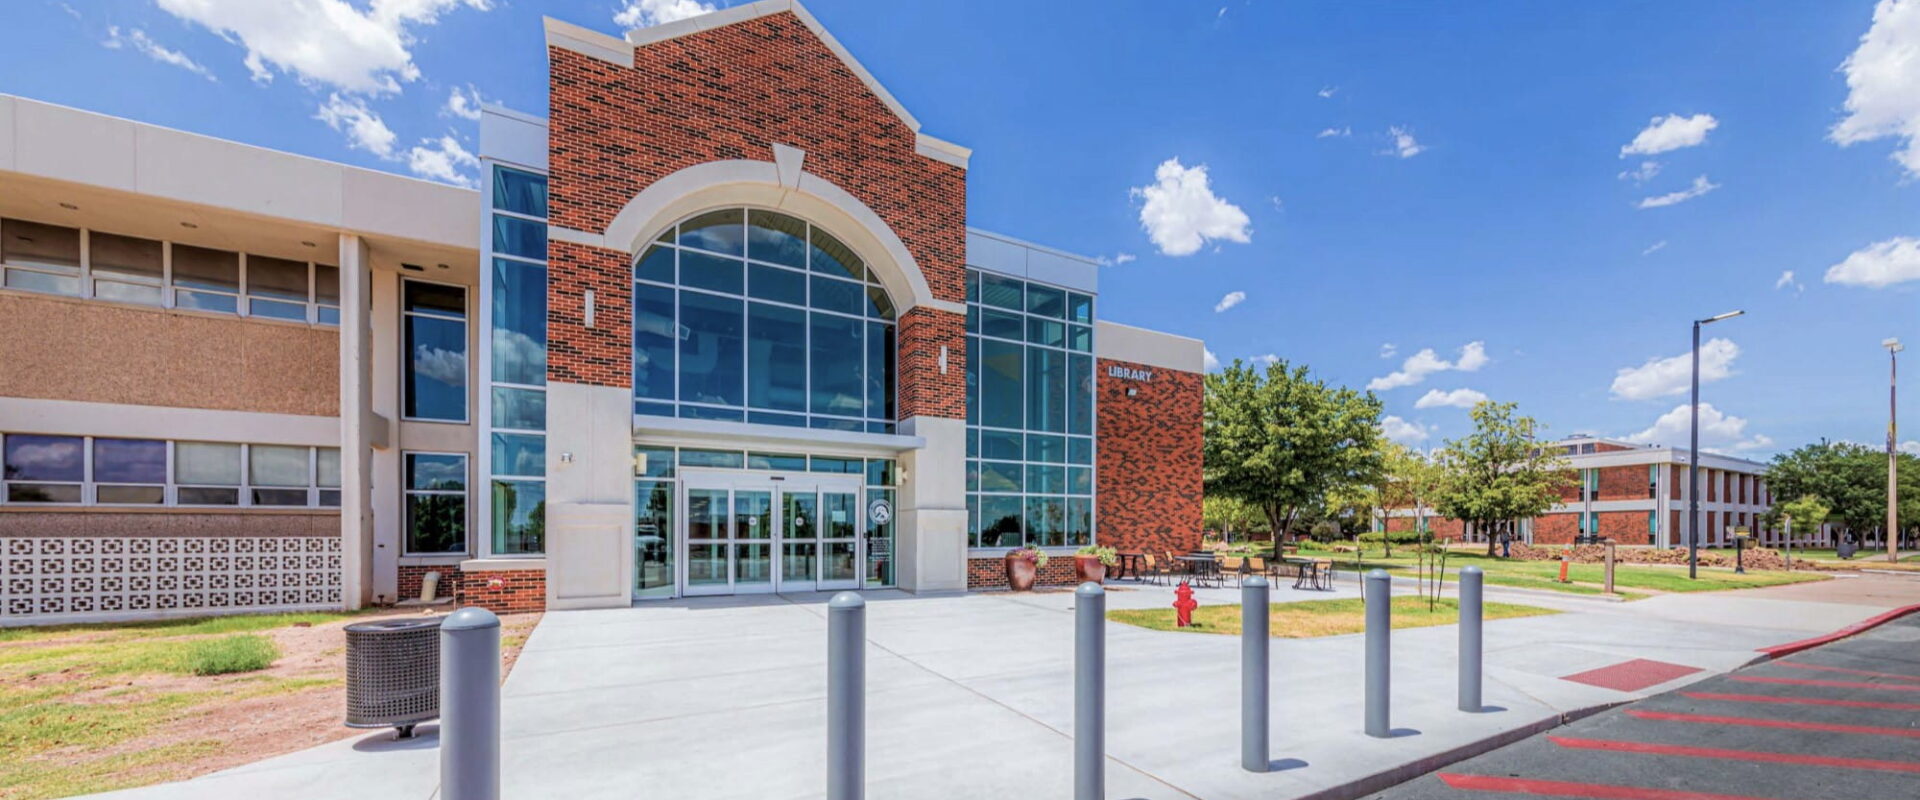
column 510, row 591
column 411, row 576
column 991, row 573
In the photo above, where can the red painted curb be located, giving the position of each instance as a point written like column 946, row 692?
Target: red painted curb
column 1790, row 648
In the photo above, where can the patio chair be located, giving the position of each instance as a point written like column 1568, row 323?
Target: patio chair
column 1257, row 565
column 1151, row 567
column 1323, row 574
column 1229, row 565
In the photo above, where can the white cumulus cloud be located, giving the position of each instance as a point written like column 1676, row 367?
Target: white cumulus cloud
column 463, row 103
column 1880, row 264
column 1211, row 361
column 1654, row 248
column 1182, row 214
column 1663, row 377
column 1668, row 133
column 1388, row 350
column 1788, row 281
column 647, row 13
column 1232, row 299
column 330, row 42
column 1719, row 432
column 1473, row 356
column 1883, row 83
column 444, row 160
column 1700, row 186
column 140, row 42
column 364, row 129
column 1265, row 359
column 1458, row 398
column 1402, row 431
column 1404, row 145
column 1330, row 133
column 1327, row 91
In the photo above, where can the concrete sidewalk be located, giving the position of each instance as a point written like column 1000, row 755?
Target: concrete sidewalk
column 971, row 696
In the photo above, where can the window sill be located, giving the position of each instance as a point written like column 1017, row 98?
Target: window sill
column 503, row 564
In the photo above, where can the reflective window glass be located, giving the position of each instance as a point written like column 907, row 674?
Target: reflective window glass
column 519, row 454
column 129, row 461
column 717, row 231
column 436, row 377
column 201, row 268
column 519, row 409
column 276, row 465
column 31, row 457
column 519, row 322
column 1046, row 389
column 208, row 463
column 519, row 192
column 126, row 256
column 519, row 517
column 656, row 264
column 836, row 352
column 703, row 271
column 712, row 346
column 653, row 342
column 827, row 255
column 776, row 238
column 776, row 357
column 23, row 242
column 1046, row 301
column 519, row 237
column 1002, row 400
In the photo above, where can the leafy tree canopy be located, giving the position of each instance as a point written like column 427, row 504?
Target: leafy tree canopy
column 1500, row 473
column 1282, row 441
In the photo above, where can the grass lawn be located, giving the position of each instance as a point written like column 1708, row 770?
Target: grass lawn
column 92, row 708
column 1862, row 559
column 1587, row 578
column 1318, row 617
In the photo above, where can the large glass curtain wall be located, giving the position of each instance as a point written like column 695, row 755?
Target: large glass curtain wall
column 748, row 315
column 1030, row 414
column 517, row 398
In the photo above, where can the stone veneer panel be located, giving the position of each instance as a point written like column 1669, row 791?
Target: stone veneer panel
column 1149, row 459
column 64, row 349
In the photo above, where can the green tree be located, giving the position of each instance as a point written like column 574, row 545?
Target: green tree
column 1500, row 473
column 1808, row 514
column 1230, row 515
column 1282, row 441
column 1409, row 479
column 1851, row 479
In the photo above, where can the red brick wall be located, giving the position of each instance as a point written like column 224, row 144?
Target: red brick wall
column 1149, row 459
column 991, row 573
column 603, row 354
column 1556, row 528
column 1603, row 447
column 411, row 576
column 924, row 389
column 1676, row 478
column 1623, row 483
column 1710, row 481
column 1626, row 527
column 509, row 591
column 732, row 93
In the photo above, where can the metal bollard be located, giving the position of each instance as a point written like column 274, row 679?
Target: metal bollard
column 1254, row 642
column 1470, row 618
column 1089, row 692
column 846, row 697
column 470, row 705
column 1379, row 651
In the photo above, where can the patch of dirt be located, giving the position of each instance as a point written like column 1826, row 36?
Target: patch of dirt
column 245, row 718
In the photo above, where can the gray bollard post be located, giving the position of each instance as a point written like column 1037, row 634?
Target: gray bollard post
column 470, row 705
column 846, row 697
column 1379, row 601
column 1254, row 641
column 1089, row 692
column 1470, row 618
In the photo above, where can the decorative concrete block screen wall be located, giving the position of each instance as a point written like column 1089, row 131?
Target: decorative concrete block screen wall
column 56, row 579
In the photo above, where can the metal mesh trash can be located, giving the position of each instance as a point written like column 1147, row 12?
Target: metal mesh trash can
column 393, row 673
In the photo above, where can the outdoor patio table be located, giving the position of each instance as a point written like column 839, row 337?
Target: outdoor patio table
column 1308, row 572
column 1200, row 567
column 1129, row 566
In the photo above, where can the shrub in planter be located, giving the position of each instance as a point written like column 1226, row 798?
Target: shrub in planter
column 1023, row 565
column 1090, row 563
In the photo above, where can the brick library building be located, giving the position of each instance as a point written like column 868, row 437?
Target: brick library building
column 1636, row 494
column 715, row 325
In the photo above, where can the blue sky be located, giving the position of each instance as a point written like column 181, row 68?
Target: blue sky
column 1378, row 177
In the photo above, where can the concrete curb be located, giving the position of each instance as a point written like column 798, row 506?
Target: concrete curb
column 1779, row 650
column 1414, row 769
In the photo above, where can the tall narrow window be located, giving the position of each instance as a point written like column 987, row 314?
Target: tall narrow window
column 436, row 341
column 436, row 503
column 513, row 511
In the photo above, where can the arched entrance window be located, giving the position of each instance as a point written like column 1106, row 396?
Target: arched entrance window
column 751, row 315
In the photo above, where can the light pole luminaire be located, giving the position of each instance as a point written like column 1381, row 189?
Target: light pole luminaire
column 1893, row 449
column 1693, row 452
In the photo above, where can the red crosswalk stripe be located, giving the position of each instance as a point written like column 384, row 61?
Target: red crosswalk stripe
column 1866, row 672
column 1596, row 791
column 1803, row 701
column 1735, row 755
column 1871, row 730
column 1892, row 687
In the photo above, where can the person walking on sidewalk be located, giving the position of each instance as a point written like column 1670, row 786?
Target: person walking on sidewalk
column 1506, row 544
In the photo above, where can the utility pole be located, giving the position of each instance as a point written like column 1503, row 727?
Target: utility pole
column 1893, row 448
column 1693, row 452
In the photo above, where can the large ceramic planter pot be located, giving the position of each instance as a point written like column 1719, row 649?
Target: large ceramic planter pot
column 1089, row 568
column 1020, row 574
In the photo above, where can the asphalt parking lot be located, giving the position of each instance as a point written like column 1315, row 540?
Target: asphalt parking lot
column 1838, row 721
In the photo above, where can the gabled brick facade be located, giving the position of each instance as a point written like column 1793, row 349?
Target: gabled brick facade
column 732, row 93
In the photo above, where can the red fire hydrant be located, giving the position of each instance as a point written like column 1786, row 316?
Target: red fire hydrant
column 1563, row 568
column 1184, row 606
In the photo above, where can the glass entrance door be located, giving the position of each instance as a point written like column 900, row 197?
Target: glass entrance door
column 761, row 534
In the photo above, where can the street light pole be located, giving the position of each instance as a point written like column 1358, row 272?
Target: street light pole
column 1893, row 451
column 1693, row 452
